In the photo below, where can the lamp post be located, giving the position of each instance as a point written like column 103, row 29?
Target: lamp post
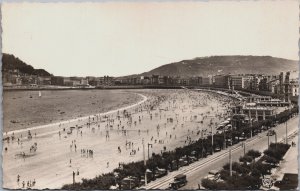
column 230, row 162
column 148, row 149
column 212, row 140
column 286, row 137
column 244, row 145
column 224, row 138
column 250, row 123
column 202, row 143
column 268, row 139
column 144, row 161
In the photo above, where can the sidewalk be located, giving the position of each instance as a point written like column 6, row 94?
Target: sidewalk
column 289, row 164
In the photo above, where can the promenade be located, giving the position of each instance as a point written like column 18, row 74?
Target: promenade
column 289, row 164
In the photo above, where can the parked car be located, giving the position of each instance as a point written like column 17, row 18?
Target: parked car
column 228, row 142
column 179, row 181
column 183, row 162
column 173, row 166
column 160, row 172
column 129, row 183
column 264, row 127
column 213, row 175
column 192, row 159
column 217, row 149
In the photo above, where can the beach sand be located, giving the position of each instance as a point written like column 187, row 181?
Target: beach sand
column 50, row 165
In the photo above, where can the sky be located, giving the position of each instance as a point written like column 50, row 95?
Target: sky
column 122, row 38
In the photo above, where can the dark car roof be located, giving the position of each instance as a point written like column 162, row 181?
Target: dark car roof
column 180, row 176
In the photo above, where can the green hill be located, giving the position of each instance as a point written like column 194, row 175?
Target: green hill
column 10, row 62
column 226, row 65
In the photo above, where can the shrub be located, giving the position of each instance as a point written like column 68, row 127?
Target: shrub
column 277, row 150
column 237, row 167
column 209, row 184
column 253, row 153
column 246, row 158
column 270, row 160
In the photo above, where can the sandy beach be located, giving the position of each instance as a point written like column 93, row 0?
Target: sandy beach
column 166, row 119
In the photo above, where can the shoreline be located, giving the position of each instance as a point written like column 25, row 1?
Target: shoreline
column 145, row 98
column 125, row 87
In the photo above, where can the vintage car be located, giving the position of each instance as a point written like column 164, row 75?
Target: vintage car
column 179, row 181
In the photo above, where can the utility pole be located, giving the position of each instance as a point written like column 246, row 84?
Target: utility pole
column 286, row 137
column 250, row 122
column 148, row 149
column 244, row 144
column 212, row 140
column 224, row 138
column 144, row 161
column 202, row 142
column 275, row 139
column 268, row 139
column 230, row 162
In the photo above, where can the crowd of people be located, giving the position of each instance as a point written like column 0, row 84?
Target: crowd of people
column 25, row 184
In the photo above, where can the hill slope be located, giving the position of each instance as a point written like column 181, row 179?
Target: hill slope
column 10, row 62
column 226, row 65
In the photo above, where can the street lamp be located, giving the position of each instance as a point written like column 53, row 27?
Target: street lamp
column 144, row 162
column 212, row 140
column 148, row 149
column 224, row 138
column 202, row 143
column 244, row 146
column 268, row 139
column 286, row 137
column 230, row 162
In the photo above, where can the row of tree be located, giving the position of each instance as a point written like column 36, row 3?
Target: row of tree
column 248, row 173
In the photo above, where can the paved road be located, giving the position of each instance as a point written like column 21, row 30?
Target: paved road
column 196, row 171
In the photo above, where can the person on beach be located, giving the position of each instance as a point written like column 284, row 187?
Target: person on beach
column 73, row 177
column 18, row 179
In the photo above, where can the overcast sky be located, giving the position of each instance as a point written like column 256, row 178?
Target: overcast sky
column 121, row 38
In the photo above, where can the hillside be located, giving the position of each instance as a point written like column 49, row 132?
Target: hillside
column 10, row 62
column 226, row 65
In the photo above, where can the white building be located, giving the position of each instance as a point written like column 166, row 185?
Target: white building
column 294, row 88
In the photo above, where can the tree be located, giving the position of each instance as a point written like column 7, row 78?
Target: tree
column 273, row 161
column 253, row 153
column 245, row 159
